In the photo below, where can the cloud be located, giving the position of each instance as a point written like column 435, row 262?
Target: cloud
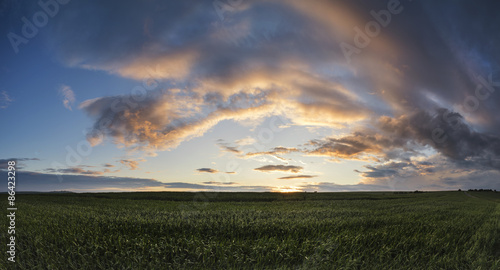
column 227, row 148
column 5, row 100
column 283, row 168
column 276, row 152
column 297, row 176
column 262, row 45
column 227, row 81
column 4, row 163
column 356, row 146
column 75, row 170
column 420, row 150
column 391, row 169
column 408, row 135
column 161, row 120
column 448, row 133
column 207, row 170
column 333, row 187
column 32, row 181
column 246, row 141
column 107, row 165
column 436, row 172
column 45, row 182
column 68, row 96
column 220, row 183
column 131, row 164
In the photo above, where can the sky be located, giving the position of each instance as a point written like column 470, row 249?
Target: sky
column 241, row 95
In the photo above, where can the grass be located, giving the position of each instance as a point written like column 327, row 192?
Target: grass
column 432, row 230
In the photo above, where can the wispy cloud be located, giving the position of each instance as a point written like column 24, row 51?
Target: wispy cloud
column 220, row 183
column 281, row 168
column 246, row 141
column 207, row 170
column 276, row 152
column 131, row 164
column 298, row 176
column 68, row 96
column 75, row 170
column 5, row 100
column 228, row 148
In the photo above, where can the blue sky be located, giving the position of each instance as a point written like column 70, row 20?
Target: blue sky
column 250, row 95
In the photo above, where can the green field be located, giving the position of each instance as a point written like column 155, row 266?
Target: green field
column 431, row 230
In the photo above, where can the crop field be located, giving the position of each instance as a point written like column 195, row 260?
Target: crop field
column 167, row 230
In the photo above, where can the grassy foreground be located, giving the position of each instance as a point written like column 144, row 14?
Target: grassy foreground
column 435, row 230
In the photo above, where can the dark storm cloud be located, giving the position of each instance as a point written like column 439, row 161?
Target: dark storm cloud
column 448, row 133
column 392, row 138
column 435, row 173
column 391, row 169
